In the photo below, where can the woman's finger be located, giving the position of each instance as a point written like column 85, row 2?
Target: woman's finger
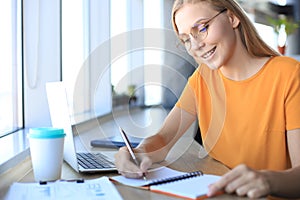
column 225, row 181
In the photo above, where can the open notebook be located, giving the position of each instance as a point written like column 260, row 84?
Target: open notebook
column 192, row 185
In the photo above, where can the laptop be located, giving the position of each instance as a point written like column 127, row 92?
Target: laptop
column 79, row 160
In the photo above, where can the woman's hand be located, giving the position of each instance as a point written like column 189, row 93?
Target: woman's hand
column 243, row 181
column 127, row 167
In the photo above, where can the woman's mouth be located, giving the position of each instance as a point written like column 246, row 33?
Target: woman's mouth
column 209, row 53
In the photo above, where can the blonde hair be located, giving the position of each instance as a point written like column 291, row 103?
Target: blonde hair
column 249, row 36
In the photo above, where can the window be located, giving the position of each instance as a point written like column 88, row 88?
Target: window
column 154, row 58
column 46, row 41
column 86, row 57
column 10, row 67
column 135, row 63
column 118, row 28
column 79, row 41
column 29, row 57
column 73, row 46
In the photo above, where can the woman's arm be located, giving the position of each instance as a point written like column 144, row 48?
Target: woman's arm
column 245, row 181
column 155, row 148
column 287, row 183
column 293, row 142
column 174, row 126
column 254, row 184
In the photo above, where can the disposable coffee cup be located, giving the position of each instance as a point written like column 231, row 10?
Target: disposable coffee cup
column 46, row 150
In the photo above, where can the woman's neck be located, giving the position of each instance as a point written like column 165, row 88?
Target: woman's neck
column 242, row 66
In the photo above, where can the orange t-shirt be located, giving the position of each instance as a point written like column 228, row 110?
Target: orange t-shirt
column 246, row 121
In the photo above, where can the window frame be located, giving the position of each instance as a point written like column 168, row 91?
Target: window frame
column 34, row 98
column 16, row 92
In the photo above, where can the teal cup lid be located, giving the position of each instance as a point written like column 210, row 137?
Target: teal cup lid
column 46, row 133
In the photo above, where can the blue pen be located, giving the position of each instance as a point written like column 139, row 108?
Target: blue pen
column 128, row 145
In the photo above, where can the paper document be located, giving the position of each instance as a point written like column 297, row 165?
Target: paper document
column 96, row 189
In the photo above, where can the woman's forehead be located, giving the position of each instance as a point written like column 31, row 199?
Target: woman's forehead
column 189, row 14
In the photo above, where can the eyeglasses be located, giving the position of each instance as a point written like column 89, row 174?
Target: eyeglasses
column 199, row 32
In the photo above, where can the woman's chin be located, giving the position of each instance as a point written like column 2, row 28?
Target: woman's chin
column 211, row 65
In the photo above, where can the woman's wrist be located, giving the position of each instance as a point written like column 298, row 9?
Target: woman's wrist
column 271, row 179
column 278, row 182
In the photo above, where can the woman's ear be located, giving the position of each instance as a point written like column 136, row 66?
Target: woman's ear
column 233, row 19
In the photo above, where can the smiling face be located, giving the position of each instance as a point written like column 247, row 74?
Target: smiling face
column 218, row 47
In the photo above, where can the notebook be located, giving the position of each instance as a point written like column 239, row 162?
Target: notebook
column 192, row 185
column 81, row 161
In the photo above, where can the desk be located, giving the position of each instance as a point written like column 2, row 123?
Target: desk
column 187, row 161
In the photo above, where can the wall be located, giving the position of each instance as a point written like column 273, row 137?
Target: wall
column 178, row 65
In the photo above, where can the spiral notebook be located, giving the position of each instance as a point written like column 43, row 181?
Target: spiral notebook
column 192, row 185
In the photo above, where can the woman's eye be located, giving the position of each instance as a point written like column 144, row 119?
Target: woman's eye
column 186, row 40
column 202, row 29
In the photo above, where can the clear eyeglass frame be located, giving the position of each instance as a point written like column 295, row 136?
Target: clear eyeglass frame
column 199, row 32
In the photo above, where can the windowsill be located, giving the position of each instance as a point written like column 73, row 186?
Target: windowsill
column 15, row 148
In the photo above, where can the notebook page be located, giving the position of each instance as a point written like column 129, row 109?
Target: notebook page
column 191, row 188
column 154, row 174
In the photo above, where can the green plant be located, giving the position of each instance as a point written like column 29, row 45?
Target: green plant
column 131, row 90
column 289, row 24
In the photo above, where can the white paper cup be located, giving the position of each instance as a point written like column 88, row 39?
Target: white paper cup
column 46, row 149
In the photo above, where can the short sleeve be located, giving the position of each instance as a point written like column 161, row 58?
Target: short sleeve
column 187, row 100
column 292, row 101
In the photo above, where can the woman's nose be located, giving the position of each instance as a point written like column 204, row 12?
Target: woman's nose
column 195, row 44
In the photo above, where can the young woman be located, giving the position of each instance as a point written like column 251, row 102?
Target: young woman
column 246, row 98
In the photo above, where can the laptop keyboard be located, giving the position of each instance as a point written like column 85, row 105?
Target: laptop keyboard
column 94, row 161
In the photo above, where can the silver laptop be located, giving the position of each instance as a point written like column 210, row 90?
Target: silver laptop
column 81, row 161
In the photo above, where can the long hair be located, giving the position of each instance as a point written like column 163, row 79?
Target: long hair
column 248, row 34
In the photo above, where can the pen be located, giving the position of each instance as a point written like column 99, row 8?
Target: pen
column 128, row 145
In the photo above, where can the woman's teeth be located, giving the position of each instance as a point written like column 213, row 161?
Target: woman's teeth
column 206, row 55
